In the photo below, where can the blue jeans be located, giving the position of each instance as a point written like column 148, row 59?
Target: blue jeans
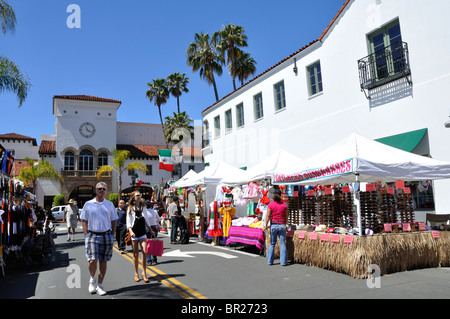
column 277, row 230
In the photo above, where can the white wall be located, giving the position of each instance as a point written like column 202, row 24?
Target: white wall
column 310, row 124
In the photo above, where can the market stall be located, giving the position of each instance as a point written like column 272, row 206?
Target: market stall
column 345, row 187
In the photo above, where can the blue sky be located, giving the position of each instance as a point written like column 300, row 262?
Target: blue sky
column 121, row 46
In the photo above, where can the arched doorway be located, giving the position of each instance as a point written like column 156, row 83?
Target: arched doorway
column 82, row 194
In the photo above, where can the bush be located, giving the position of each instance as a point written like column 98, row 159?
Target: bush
column 114, row 198
column 58, row 200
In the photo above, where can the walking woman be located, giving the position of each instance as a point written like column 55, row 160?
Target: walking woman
column 137, row 221
column 277, row 214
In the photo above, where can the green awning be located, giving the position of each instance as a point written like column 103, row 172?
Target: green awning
column 406, row 141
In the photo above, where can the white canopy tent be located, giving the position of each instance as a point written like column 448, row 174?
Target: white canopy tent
column 358, row 159
column 264, row 169
column 189, row 176
column 370, row 160
column 212, row 174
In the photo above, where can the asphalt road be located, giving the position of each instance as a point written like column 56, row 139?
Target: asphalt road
column 201, row 271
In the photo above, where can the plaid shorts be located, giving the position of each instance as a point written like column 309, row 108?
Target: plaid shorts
column 99, row 247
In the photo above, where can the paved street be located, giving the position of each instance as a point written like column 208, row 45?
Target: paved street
column 201, row 271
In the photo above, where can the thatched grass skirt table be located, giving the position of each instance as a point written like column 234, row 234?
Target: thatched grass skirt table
column 390, row 252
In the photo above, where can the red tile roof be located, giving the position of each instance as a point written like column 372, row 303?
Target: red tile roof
column 47, row 147
column 15, row 136
column 85, row 98
column 290, row 56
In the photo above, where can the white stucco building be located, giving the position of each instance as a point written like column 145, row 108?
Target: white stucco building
column 86, row 130
column 380, row 69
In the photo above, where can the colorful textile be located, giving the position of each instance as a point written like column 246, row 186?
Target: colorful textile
column 246, row 235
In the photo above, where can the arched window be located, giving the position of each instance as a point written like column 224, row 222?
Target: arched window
column 86, row 161
column 69, row 161
column 102, row 159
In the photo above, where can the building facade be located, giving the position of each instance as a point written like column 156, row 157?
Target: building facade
column 380, row 69
column 86, row 131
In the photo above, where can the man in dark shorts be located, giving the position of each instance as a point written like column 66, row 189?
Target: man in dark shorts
column 99, row 220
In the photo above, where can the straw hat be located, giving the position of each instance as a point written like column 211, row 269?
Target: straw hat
column 71, row 201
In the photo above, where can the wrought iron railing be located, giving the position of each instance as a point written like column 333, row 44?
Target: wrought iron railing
column 383, row 66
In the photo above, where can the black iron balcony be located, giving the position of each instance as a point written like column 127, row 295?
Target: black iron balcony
column 383, row 66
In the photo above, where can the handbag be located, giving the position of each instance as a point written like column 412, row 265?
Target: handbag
column 128, row 238
column 155, row 247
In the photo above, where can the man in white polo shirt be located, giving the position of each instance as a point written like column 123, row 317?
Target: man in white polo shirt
column 99, row 220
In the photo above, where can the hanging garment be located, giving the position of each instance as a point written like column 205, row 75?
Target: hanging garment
column 215, row 223
column 251, row 191
column 265, row 199
column 227, row 212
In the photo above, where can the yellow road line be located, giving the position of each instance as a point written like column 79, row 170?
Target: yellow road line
column 176, row 286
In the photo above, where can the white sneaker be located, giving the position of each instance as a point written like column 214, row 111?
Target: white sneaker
column 100, row 290
column 92, row 286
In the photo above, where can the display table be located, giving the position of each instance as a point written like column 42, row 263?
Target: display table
column 246, row 235
column 390, row 252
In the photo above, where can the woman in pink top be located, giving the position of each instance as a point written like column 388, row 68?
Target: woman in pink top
column 277, row 214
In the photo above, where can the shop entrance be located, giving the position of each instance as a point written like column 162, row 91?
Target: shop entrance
column 82, row 194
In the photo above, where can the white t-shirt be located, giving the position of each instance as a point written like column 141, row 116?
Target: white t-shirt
column 99, row 215
column 154, row 217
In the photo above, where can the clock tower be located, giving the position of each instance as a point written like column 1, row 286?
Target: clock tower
column 85, row 133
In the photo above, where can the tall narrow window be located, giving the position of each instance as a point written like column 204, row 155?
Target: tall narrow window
column 217, row 126
column 258, row 106
column 69, row 161
column 315, row 79
column 102, row 159
column 86, row 161
column 280, row 97
column 228, row 121
column 386, row 47
column 240, row 115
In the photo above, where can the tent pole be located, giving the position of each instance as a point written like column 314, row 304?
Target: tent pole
column 358, row 204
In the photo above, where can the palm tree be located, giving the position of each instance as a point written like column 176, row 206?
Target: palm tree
column 38, row 170
column 229, row 39
column 178, row 127
column 11, row 79
column 202, row 56
column 158, row 92
column 177, row 84
column 244, row 67
column 118, row 162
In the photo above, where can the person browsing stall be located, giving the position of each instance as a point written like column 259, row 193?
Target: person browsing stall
column 71, row 215
column 174, row 215
column 138, row 221
column 277, row 215
column 99, row 220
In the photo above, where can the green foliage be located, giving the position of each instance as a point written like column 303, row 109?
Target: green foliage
column 114, row 198
column 58, row 200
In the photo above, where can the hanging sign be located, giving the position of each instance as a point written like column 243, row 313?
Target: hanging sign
column 335, row 238
column 407, row 190
column 390, row 190
column 313, row 236
column 346, row 189
column 341, row 168
column 435, row 234
column 301, row 235
column 387, row 228
column 311, row 192
column 324, row 237
column 399, row 184
column 421, row 226
column 348, row 239
column 328, row 191
column 370, row 187
column 406, row 226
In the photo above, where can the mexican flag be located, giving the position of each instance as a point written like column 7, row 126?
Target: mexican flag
column 165, row 160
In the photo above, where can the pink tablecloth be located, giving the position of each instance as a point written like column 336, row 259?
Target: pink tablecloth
column 246, row 235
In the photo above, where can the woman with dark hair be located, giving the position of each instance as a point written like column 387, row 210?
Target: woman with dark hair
column 138, row 220
column 277, row 214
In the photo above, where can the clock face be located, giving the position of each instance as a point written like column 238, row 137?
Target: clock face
column 87, row 129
